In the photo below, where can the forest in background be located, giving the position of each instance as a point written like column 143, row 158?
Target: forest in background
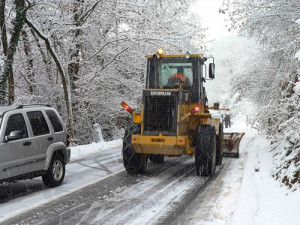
column 85, row 56
column 269, row 77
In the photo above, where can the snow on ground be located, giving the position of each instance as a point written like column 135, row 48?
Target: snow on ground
column 81, row 151
column 87, row 163
column 262, row 199
column 249, row 194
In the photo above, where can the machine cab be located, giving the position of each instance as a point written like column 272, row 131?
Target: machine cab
column 177, row 72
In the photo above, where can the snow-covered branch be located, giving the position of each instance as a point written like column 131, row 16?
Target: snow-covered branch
column 59, row 67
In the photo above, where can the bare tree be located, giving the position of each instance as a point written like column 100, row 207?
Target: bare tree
column 9, row 50
column 88, row 55
column 60, row 69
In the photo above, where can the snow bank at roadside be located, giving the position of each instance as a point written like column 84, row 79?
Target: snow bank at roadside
column 287, row 155
column 286, row 146
column 250, row 195
column 262, row 199
column 285, row 139
column 259, row 199
column 81, row 151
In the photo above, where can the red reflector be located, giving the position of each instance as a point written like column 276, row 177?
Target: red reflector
column 134, row 139
column 126, row 107
column 180, row 141
column 196, row 109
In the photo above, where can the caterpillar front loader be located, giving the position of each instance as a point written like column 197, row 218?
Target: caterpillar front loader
column 174, row 119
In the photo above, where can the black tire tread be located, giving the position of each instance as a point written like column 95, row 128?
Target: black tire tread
column 219, row 140
column 133, row 162
column 205, row 154
column 48, row 177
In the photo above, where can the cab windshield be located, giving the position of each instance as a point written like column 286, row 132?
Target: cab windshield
column 167, row 72
column 175, row 70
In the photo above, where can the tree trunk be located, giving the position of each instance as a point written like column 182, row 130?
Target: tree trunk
column 73, row 67
column 3, row 27
column 27, row 51
column 9, row 51
column 11, row 87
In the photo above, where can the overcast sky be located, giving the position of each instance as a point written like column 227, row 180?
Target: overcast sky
column 210, row 18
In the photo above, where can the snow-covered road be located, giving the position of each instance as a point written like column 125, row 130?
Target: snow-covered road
column 89, row 164
column 97, row 190
column 120, row 198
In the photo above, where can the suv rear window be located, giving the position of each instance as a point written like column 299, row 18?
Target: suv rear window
column 38, row 123
column 54, row 121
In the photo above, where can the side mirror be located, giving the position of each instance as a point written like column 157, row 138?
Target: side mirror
column 211, row 70
column 6, row 139
column 216, row 105
column 14, row 135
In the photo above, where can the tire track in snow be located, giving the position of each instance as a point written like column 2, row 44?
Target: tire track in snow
column 200, row 193
column 204, row 208
column 101, row 198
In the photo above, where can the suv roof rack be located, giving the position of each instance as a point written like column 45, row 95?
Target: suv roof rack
column 32, row 105
column 7, row 108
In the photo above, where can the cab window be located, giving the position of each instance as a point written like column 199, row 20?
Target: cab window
column 167, row 70
column 16, row 126
column 38, row 123
column 161, row 70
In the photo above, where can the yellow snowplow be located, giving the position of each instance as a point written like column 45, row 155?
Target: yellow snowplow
column 231, row 143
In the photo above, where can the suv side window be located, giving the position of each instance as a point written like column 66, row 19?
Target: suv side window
column 38, row 123
column 54, row 121
column 16, row 123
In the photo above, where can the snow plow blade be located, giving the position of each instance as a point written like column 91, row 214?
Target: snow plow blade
column 231, row 144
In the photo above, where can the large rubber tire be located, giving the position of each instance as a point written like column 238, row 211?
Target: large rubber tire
column 220, row 145
column 205, row 152
column 133, row 162
column 56, row 171
column 156, row 159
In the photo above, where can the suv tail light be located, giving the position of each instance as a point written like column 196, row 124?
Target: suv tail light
column 68, row 140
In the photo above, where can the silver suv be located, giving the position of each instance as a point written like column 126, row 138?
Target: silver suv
column 33, row 142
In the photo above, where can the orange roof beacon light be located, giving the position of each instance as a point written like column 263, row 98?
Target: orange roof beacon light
column 126, row 107
column 196, row 109
column 160, row 51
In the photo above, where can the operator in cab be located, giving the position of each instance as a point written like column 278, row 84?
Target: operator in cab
column 179, row 77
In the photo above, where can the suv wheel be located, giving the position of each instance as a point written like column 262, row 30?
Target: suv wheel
column 56, row 172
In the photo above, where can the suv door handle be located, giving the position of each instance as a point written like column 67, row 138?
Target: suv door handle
column 27, row 143
column 50, row 138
